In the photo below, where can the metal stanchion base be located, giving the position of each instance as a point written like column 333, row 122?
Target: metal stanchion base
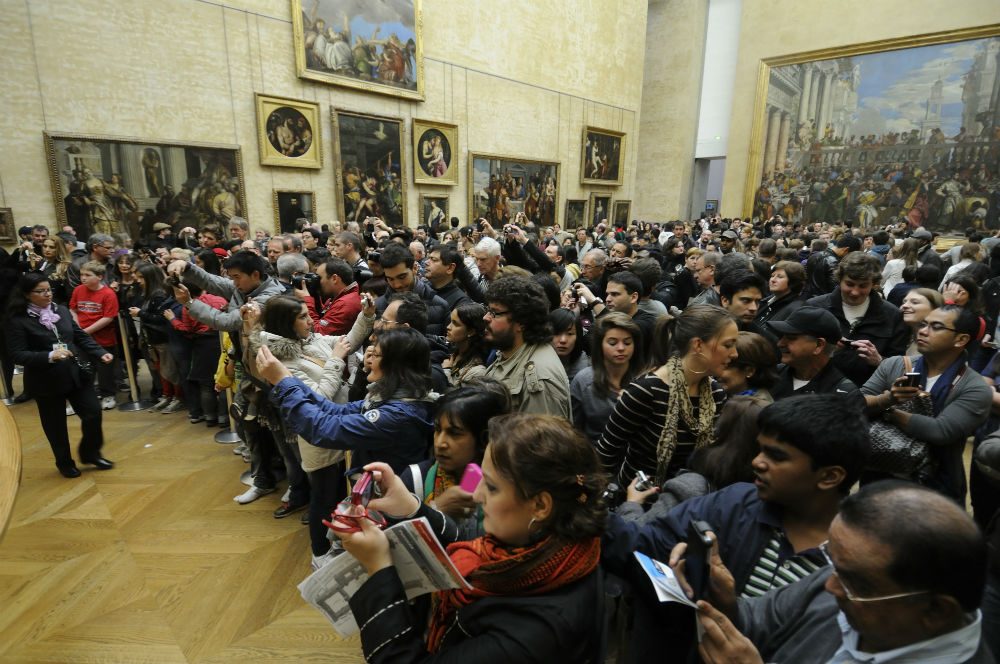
column 227, row 437
column 7, row 401
column 135, row 406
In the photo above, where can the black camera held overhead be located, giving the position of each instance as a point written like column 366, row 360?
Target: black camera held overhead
column 310, row 282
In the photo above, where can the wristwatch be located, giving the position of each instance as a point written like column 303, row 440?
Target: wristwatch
column 594, row 302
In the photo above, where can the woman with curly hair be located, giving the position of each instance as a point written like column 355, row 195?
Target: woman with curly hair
column 517, row 325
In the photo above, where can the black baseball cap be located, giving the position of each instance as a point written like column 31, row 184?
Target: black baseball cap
column 812, row 321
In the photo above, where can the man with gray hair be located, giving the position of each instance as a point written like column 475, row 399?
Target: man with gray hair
column 101, row 247
column 239, row 229
column 592, row 268
column 419, row 255
column 487, row 253
column 288, row 266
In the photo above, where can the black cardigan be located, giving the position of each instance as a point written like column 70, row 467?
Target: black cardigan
column 566, row 625
column 30, row 343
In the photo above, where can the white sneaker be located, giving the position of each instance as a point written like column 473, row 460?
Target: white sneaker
column 108, row 403
column 172, row 407
column 252, row 494
column 240, row 449
column 286, row 496
column 70, row 411
column 161, row 404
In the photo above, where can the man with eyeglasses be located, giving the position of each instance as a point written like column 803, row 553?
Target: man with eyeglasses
column 961, row 399
column 101, row 248
column 812, row 451
column 904, row 583
column 517, row 325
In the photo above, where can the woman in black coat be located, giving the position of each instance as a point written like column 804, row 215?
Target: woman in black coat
column 56, row 355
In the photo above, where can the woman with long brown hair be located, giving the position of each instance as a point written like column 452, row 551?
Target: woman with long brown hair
column 533, row 578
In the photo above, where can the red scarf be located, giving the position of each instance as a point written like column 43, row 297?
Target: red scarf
column 491, row 568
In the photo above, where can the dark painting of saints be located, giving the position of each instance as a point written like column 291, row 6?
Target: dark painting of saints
column 371, row 158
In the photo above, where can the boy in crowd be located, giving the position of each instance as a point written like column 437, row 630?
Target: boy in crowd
column 95, row 307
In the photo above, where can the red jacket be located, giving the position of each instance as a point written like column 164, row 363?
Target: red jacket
column 340, row 315
column 188, row 325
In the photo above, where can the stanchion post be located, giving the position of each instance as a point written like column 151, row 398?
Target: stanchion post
column 6, row 398
column 227, row 436
column 135, row 404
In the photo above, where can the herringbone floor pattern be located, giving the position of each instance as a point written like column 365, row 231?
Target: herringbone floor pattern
column 153, row 561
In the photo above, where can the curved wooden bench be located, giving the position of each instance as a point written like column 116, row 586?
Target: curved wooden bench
column 10, row 467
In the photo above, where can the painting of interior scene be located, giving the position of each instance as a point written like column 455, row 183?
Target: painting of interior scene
column 114, row 187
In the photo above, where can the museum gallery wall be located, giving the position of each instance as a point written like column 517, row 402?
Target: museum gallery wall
column 226, row 78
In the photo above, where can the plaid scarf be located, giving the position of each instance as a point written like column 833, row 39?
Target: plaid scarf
column 491, row 568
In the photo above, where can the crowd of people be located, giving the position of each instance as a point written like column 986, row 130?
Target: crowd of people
column 616, row 387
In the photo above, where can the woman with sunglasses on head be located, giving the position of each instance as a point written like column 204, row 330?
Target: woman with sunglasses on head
column 57, row 357
column 535, row 587
column 56, row 262
column 460, row 438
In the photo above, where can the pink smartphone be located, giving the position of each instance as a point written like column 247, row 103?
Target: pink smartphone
column 471, row 478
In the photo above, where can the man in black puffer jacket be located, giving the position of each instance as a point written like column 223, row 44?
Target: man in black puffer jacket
column 400, row 272
column 872, row 329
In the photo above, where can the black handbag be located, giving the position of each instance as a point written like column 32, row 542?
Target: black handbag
column 895, row 452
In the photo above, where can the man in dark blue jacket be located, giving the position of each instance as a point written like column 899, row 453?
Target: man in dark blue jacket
column 812, row 450
column 400, row 271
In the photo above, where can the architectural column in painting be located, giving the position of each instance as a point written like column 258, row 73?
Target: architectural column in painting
column 995, row 94
column 783, row 131
column 813, row 94
column 174, row 167
column 771, row 146
column 133, row 175
column 827, row 103
column 807, row 74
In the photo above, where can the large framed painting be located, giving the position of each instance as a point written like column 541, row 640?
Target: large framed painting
column 435, row 152
column 7, row 231
column 621, row 213
column 434, row 212
column 599, row 209
column 500, row 187
column 371, row 167
column 290, row 206
column 902, row 131
column 288, row 132
column 576, row 211
column 372, row 46
column 603, row 160
column 104, row 184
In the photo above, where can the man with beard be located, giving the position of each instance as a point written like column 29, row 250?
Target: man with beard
column 517, row 325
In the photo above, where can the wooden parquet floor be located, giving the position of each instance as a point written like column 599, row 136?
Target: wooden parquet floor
column 153, row 561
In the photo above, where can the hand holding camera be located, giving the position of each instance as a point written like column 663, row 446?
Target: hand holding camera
column 368, row 305
column 641, row 488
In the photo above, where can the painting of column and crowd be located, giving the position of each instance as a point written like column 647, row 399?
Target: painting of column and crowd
column 121, row 187
column 909, row 135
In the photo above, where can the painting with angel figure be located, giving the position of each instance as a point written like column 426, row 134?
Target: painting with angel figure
column 374, row 46
column 907, row 136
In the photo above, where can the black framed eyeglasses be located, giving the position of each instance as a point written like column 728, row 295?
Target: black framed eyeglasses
column 491, row 313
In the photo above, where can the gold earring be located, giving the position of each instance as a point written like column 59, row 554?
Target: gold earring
column 705, row 359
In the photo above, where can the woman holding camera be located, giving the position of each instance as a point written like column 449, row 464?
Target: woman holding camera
column 533, row 576
column 44, row 339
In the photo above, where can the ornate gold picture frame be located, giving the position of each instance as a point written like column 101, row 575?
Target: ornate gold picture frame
column 288, row 132
column 8, row 232
column 435, row 152
column 106, row 183
column 371, row 166
column 375, row 46
column 603, row 159
column 599, row 208
column 501, row 186
column 879, row 133
column 292, row 204
column 622, row 209
column 576, row 214
column 435, row 211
